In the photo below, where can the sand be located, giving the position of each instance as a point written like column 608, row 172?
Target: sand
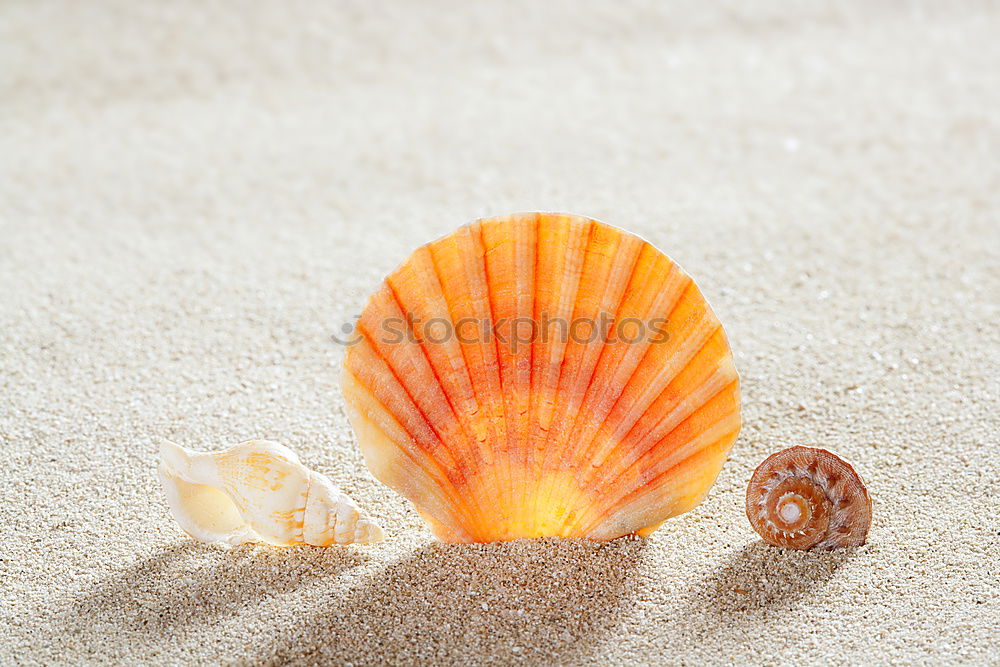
column 194, row 197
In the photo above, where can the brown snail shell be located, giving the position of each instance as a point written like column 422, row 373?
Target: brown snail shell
column 806, row 497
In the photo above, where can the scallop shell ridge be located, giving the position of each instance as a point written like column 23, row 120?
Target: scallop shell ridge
column 542, row 374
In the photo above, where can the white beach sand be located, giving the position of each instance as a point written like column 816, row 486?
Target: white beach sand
column 194, row 196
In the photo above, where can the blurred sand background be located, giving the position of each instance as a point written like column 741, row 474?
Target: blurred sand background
column 194, row 196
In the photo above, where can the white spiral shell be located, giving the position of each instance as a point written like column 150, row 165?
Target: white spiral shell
column 258, row 491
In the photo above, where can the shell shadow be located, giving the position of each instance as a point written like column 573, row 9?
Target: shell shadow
column 760, row 576
column 189, row 583
column 473, row 604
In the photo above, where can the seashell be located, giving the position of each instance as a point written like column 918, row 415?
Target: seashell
column 258, row 491
column 804, row 497
column 476, row 393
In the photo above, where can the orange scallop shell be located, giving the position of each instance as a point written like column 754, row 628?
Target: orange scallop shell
column 542, row 374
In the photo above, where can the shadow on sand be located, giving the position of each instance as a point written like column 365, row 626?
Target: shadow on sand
column 189, row 583
column 752, row 589
column 473, row 604
column 439, row 604
column 760, row 575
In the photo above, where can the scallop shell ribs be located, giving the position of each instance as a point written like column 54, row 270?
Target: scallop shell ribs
column 540, row 375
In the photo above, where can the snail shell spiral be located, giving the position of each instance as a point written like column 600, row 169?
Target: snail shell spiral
column 805, row 497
